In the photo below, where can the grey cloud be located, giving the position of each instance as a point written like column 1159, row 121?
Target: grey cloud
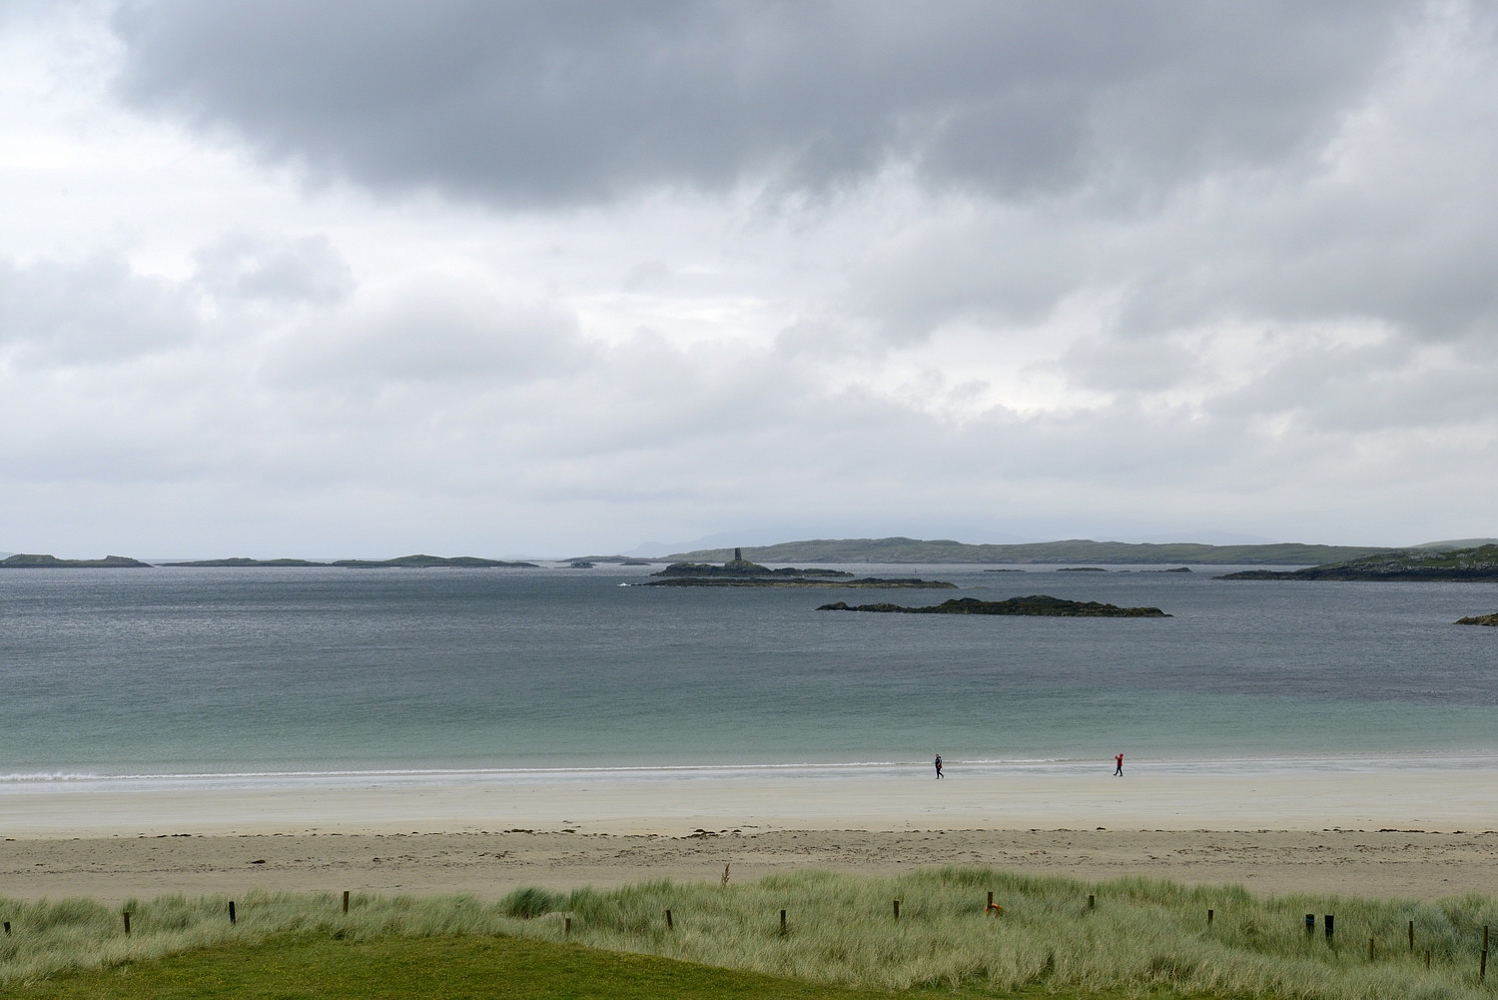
column 92, row 312
column 529, row 102
column 243, row 266
column 437, row 331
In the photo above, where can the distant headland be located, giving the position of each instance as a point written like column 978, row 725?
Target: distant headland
column 1076, row 551
column 1475, row 565
column 740, row 572
column 1040, row 605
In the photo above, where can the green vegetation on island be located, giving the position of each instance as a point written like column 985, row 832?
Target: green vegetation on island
column 912, row 550
column 23, row 560
column 1477, row 565
column 1049, row 936
column 1039, row 605
column 740, row 572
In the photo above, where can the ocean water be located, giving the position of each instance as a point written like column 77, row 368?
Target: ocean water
column 328, row 675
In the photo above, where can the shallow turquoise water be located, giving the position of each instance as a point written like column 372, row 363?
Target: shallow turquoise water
column 212, row 671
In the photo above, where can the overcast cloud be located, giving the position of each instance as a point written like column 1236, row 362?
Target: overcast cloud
column 349, row 279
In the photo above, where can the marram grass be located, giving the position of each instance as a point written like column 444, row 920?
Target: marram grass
column 1142, row 936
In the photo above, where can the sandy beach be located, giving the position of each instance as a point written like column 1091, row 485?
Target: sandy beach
column 1402, row 833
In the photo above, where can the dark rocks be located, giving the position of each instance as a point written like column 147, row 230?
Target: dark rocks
column 1041, row 605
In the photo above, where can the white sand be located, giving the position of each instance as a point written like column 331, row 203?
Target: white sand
column 673, row 805
column 1273, row 833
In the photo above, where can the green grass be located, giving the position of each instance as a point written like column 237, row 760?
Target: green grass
column 450, row 967
column 1142, row 938
column 475, row 968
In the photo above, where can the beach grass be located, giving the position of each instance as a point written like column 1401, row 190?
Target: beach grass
column 1135, row 937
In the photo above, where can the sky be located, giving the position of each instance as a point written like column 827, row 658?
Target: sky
column 555, row 277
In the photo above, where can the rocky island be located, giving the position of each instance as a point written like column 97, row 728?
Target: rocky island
column 1476, row 565
column 1042, row 605
column 1491, row 619
column 22, row 560
column 740, row 572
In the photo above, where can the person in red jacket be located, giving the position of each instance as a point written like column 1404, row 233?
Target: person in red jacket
column 1118, row 765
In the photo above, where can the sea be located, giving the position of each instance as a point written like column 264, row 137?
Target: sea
column 324, row 676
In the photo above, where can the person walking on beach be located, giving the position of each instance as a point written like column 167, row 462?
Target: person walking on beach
column 938, row 765
column 1118, row 765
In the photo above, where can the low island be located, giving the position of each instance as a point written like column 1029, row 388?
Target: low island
column 1491, row 619
column 402, row 562
column 1041, row 605
column 740, row 572
column 1473, row 565
column 22, row 560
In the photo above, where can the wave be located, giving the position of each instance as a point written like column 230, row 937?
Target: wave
column 748, row 771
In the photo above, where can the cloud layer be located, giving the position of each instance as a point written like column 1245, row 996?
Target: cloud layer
column 529, row 277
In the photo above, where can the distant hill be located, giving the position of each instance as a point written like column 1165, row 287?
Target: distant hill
column 1477, row 565
column 913, row 550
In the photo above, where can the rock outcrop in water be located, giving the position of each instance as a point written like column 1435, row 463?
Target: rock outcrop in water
column 1475, row 565
column 740, row 572
column 1491, row 619
column 1041, row 605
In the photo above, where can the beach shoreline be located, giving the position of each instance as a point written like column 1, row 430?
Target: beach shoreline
column 1412, row 832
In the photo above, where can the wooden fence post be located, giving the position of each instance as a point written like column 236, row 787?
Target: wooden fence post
column 669, row 925
column 1412, row 936
column 1209, row 918
column 1091, row 902
column 127, row 923
column 345, row 901
column 782, row 923
column 897, row 909
column 231, row 911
